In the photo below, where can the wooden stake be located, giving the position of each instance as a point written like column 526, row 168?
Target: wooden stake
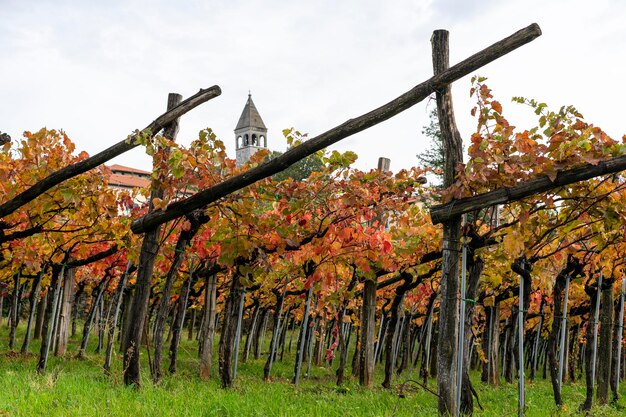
column 42, row 367
column 563, row 333
column 620, row 333
column 303, row 331
column 595, row 334
column 118, row 303
column 242, row 302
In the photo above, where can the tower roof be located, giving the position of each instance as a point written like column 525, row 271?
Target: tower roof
column 250, row 117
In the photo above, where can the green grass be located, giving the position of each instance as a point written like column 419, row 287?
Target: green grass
column 73, row 387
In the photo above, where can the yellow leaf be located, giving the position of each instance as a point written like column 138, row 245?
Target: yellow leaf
column 489, row 301
column 159, row 204
column 513, row 245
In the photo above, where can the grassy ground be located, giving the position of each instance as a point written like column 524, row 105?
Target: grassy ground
column 73, row 387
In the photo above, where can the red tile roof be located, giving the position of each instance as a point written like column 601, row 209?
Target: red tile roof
column 122, row 168
column 128, row 181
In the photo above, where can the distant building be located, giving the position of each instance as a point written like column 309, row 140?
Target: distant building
column 250, row 133
column 127, row 178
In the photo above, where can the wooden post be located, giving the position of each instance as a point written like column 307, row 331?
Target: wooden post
column 252, row 331
column 267, row 370
column 13, row 311
column 605, row 347
column 449, row 305
column 242, row 302
column 45, row 346
column 65, row 316
column 520, row 342
column 310, row 346
column 429, row 338
column 595, row 333
column 563, row 330
column 92, row 314
column 459, row 358
column 368, row 322
column 368, row 316
column 33, row 305
column 209, row 327
column 620, row 333
column 149, row 250
column 377, row 347
column 303, row 331
column 119, row 292
column 533, row 369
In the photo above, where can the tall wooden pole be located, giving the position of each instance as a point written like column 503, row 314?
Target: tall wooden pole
column 147, row 256
column 119, row 293
column 368, row 316
column 459, row 359
column 242, row 302
column 620, row 333
column 449, row 306
column 595, row 333
column 563, row 333
column 520, row 343
column 537, row 339
column 49, row 337
column 303, row 332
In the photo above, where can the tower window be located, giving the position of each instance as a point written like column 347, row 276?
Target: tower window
column 239, row 141
column 263, row 140
column 246, row 140
column 254, row 140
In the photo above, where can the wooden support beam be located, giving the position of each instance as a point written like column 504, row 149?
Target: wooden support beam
column 443, row 212
column 449, row 363
column 119, row 148
column 346, row 129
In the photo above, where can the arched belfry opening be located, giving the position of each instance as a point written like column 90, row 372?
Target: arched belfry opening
column 250, row 133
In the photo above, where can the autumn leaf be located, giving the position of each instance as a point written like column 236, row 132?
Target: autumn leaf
column 159, row 204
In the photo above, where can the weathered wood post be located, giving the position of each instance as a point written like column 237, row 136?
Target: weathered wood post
column 620, row 333
column 368, row 317
column 33, row 305
column 459, row 359
column 149, row 250
column 119, row 293
column 533, row 369
column 563, row 332
column 278, row 318
column 596, row 319
column 242, row 302
column 13, row 311
column 606, row 341
column 520, row 342
column 49, row 325
column 302, row 338
column 65, row 318
column 208, row 332
column 449, row 289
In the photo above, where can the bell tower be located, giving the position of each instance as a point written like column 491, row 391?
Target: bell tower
column 250, row 133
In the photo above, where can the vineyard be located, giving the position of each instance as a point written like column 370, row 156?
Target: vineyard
column 491, row 284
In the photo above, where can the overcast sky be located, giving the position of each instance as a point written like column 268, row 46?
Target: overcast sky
column 100, row 69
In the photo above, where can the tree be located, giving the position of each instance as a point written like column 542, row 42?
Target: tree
column 432, row 157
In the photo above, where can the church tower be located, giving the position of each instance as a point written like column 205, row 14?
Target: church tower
column 250, row 133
